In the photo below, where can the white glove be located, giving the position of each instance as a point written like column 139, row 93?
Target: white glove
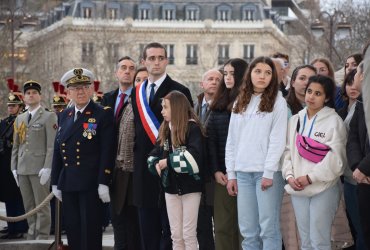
column 44, row 175
column 15, row 176
column 103, row 192
column 57, row 193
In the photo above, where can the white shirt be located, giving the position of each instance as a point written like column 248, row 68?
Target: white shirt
column 157, row 85
column 81, row 110
column 33, row 112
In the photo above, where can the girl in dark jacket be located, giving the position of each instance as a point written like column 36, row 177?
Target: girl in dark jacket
column 225, row 208
column 179, row 159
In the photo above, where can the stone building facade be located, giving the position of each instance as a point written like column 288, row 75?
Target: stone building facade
column 198, row 36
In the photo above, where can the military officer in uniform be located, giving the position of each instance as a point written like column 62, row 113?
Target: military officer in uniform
column 32, row 154
column 9, row 191
column 83, row 161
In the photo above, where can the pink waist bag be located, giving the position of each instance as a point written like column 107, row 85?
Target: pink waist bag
column 311, row 149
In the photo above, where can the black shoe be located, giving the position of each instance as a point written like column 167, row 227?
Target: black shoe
column 4, row 230
column 3, row 237
column 15, row 236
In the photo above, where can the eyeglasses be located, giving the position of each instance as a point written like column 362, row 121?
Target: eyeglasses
column 154, row 58
column 76, row 88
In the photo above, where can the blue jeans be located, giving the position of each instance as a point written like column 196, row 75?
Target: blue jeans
column 259, row 211
column 351, row 200
column 315, row 216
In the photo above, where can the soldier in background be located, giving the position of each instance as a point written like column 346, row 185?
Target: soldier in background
column 9, row 190
column 32, row 153
column 59, row 99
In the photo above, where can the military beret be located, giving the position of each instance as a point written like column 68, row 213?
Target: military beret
column 77, row 76
column 31, row 85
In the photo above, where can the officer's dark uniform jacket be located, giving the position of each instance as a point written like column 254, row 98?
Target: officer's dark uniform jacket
column 83, row 152
column 8, row 186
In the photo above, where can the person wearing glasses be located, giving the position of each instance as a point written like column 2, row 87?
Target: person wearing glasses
column 83, row 161
column 146, row 104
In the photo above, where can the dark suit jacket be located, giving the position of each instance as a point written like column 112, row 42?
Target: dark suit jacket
column 79, row 163
column 146, row 186
column 109, row 99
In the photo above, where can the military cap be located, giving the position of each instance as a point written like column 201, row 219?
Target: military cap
column 98, row 97
column 59, row 97
column 31, row 85
column 14, row 97
column 77, row 76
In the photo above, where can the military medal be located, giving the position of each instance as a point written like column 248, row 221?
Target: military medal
column 89, row 129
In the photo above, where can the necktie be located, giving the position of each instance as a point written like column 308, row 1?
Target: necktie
column 204, row 111
column 77, row 115
column 120, row 105
column 151, row 96
column 29, row 118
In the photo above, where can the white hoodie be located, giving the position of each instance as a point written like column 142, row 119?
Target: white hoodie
column 329, row 129
column 256, row 140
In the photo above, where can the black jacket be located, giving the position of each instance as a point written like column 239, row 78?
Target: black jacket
column 358, row 150
column 8, row 187
column 82, row 162
column 146, row 187
column 217, row 130
column 182, row 183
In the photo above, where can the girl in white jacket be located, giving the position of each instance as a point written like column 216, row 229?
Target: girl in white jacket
column 255, row 143
column 314, row 187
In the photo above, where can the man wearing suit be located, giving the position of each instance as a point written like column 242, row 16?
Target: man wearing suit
column 82, row 162
column 210, row 83
column 32, row 154
column 123, row 212
column 146, row 102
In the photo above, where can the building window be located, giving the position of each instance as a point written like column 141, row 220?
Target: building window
column 223, row 12
column 191, row 54
column 141, row 51
column 170, row 53
column 192, row 12
column 223, row 54
column 248, row 53
column 248, row 12
column 145, row 11
column 248, row 15
column 86, row 12
column 168, row 11
column 112, row 13
column 113, row 52
column 87, row 52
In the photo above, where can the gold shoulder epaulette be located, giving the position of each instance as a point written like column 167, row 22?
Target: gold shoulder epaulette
column 106, row 107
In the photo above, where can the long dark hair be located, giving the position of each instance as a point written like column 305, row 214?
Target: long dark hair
column 348, row 81
column 358, row 58
column 224, row 98
column 292, row 100
column 269, row 94
column 328, row 85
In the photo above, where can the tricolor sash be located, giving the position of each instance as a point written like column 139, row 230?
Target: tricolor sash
column 147, row 117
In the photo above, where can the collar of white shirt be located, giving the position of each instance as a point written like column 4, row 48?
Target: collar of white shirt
column 33, row 112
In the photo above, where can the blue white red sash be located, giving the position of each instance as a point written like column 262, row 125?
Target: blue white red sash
column 147, row 117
